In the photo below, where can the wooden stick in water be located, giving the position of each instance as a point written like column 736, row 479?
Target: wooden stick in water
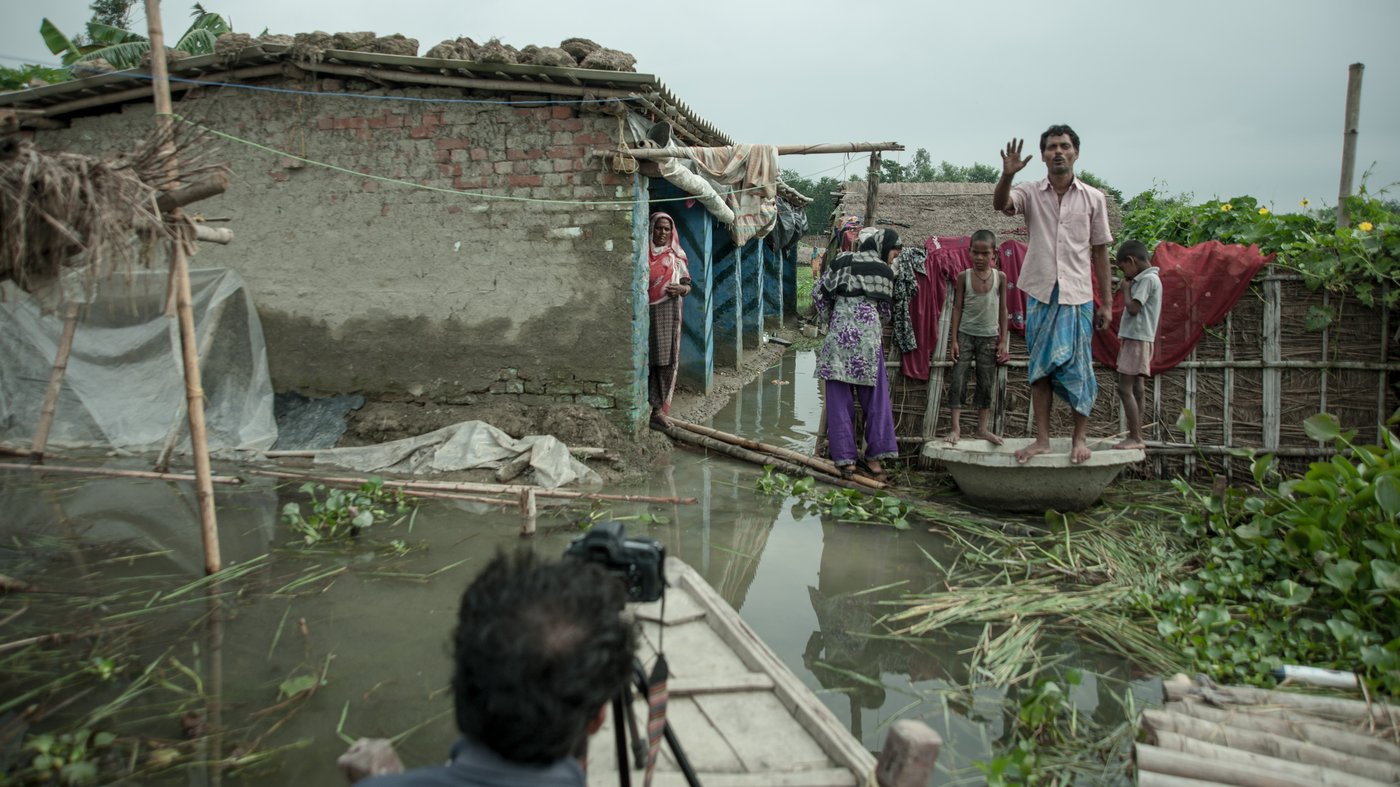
column 116, row 473
column 60, row 366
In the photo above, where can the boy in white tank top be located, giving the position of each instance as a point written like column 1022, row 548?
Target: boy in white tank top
column 979, row 334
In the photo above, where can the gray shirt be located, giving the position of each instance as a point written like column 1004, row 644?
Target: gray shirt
column 474, row 765
column 1146, row 289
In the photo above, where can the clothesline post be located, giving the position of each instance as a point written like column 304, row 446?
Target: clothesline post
column 872, row 189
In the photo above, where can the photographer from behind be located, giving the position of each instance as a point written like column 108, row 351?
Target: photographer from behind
column 541, row 649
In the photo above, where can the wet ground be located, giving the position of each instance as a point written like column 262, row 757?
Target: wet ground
column 370, row 624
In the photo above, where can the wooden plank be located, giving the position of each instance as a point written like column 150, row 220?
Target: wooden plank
column 826, row 777
column 751, row 681
column 1270, row 327
column 680, row 608
column 935, row 375
column 760, row 731
column 699, row 651
column 804, row 706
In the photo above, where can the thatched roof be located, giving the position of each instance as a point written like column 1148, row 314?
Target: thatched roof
column 942, row 209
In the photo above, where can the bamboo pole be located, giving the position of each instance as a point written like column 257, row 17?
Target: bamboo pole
column 1332, row 735
column 934, row 401
column 1326, row 707
column 212, row 186
column 1269, row 744
column 471, row 486
column 814, row 463
column 172, row 436
column 753, row 457
column 528, row 510
column 1349, row 135
column 1262, row 764
column 872, row 189
column 60, row 366
column 783, row 150
column 1169, row 762
column 180, row 276
column 116, row 473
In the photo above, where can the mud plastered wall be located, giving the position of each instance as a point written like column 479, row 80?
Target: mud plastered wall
column 377, row 287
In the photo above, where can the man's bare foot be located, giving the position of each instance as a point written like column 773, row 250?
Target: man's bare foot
column 986, row 434
column 1034, row 449
column 1130, row 444
column 1079, row 453
column 952, row 437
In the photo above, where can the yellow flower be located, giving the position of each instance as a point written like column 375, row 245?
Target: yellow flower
column 1263, row 211
column 1227, row 207
column 1365, row 226
column 1303, row 202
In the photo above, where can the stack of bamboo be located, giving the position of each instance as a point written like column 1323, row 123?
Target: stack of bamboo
column 1246, row 736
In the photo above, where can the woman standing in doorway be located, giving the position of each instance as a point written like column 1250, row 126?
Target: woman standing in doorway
column 853, row 297
column 669, row 281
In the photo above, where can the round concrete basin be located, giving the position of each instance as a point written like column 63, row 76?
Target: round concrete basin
column 990, row 477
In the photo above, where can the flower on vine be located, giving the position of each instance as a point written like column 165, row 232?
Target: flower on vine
column 1227, row 207
column 1303, row 202
column 1365, row 226
column 1263, row 211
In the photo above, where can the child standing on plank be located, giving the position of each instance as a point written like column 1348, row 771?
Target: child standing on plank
column 1138, row 330
column 979, row 333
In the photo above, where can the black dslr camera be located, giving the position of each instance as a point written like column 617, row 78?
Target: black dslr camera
column 639, row 562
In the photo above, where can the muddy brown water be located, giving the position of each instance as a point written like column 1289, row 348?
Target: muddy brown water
column 377, row 623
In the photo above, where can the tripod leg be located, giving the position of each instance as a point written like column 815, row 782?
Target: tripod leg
column 691, row 777
column 624, row 774
column 639, row 744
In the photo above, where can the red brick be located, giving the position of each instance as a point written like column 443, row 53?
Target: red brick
column 452, row 143
column 479, row 154
column 592, row 138
column 520, row 168
column 524, row 181
column 325, row 124
column 515, row 154
column 442, row 156
column 445, row 170
column 279, row 176
column 613, row 179
column 467, row 184
column 502, row 167
column 349, row 123
column 378, row 122
column 561, row 112
column 563, row 165
column 566, row 151
column 432, row 119
column 572, row 124
column 422, row 132
column 393, row 121
column 454, row 209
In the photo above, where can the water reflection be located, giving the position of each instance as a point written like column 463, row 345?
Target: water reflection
column 369, row 625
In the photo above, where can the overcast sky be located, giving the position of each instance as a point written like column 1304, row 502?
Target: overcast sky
column 1211, row 97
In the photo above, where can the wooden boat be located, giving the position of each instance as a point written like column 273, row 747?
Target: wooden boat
column 742, row 717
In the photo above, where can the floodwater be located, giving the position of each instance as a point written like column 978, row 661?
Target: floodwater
column 372, row 622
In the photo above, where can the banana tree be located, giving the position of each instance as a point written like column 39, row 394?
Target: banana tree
column 124, row 48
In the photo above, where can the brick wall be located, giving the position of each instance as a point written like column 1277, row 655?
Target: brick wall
column 371, row 286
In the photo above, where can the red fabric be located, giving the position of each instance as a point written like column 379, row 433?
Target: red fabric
column 946, row 258
column 1200, row 285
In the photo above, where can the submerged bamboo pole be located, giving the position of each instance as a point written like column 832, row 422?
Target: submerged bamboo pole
column 813, row 462
column 60, row 366
column 754, row 457
column 116, row 473
column 180, row 280
column 472, row 486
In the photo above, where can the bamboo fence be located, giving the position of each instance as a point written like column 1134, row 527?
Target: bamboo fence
column 1251, row 381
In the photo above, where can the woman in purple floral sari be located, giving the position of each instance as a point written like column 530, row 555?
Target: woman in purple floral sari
column 853, row 298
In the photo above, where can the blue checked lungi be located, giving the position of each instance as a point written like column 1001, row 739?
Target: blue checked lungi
column 1059, row 339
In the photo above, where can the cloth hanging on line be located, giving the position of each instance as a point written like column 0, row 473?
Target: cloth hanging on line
column 753, row 172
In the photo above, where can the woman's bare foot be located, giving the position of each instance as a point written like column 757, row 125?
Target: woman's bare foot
column 952, row 437
column 1034, row 449
column 1130, row 444
column 1079, row 453
column 986, row 434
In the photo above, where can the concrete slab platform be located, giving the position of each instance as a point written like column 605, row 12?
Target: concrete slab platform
column 989, row 475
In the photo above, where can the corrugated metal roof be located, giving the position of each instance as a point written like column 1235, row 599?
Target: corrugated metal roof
column 269, row 60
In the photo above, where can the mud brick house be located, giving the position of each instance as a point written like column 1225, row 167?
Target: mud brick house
column 441, row 230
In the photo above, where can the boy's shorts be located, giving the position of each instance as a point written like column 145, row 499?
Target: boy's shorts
column 1135, row 357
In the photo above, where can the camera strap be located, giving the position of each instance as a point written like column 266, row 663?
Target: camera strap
column 657, row 697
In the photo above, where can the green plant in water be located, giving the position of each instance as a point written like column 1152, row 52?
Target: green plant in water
column 70, row 758
column 846, row 505
column 1046, row 719
column 341, row 513
column 1307, row 571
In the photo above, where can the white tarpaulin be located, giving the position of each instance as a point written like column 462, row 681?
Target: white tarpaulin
column 464, row 446
column 124, row 387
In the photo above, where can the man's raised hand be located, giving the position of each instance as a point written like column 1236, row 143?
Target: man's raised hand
column 1011, row 161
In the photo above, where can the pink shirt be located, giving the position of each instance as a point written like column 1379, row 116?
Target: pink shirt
column 1061, row 234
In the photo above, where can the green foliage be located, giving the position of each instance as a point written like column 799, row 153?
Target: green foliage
column 822, row 204
column 19, row 78
column 1307, row 571
column 845, row 505
column 1045, row 719
column 108, row 40
column 1363, row 259
column 1095, row 181
column 70, row 758
column 341, row 513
